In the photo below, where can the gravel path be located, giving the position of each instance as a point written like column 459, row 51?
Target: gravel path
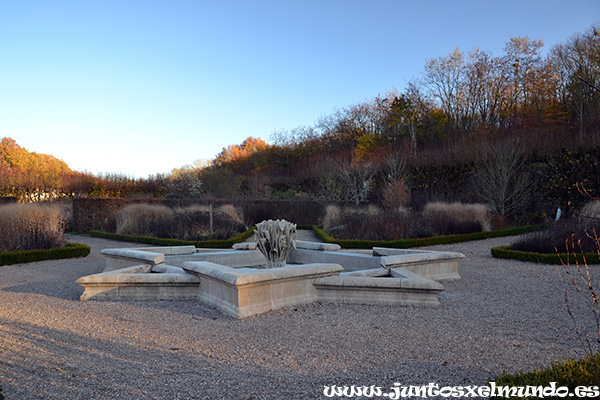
column 502, row 315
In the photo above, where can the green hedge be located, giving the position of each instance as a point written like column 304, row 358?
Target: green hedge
column 71, row 250
column 569, row 373
column 429, row 241
column 217, row 244
column 544, row 258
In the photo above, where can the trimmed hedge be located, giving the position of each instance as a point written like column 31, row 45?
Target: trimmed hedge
column 568, row 373
column 216, row 244
column 70, row 250
column 98, row 213
column 429, row 241
column 7, row 200
column 544, row 258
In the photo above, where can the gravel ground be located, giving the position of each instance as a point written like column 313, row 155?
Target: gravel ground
column 502, row 315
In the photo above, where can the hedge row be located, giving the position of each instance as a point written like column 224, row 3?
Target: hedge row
column 99, row 214
column 545, row 258
column 429, row 241
column 569, row 373
column 70, row 250
column 216, row 244
column 7, row 200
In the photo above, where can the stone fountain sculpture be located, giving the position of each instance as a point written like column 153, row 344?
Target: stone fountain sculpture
column 275, row 240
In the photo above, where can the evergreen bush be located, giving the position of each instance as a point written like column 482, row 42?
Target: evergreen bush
column 216, row 243
column 545, row 258
column 70, row 250
column 569, row 373
column 420, row 242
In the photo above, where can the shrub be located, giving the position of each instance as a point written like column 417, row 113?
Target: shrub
column 545, row 258
column 332, row 217
column 211, row 243
column 581, row 231
column 193, row 223
column 422, row 240
column 198, row 222
column 143, row 219
column 369, row 223
column 395, row 195
column 232, row 212
column 569, row 373
column 70, row 250
column 8, row 199
column 31, row 226
column 457, row 218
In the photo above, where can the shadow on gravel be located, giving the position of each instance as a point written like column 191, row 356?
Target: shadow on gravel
column 194, row 308
column 46, row 363
column 60, row 290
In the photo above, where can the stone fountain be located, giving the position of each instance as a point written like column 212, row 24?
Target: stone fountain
column 237, row 281
column 275, row 240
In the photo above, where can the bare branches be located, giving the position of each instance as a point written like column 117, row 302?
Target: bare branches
column 502, row 180
column 586, row 82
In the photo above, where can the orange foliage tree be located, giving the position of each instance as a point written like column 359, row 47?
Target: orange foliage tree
column 235, row 153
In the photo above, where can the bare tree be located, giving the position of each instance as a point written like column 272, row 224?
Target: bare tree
column 502, row 179
column 342, row 180
column 484, row 88
column 358, row 180
column 444, row 78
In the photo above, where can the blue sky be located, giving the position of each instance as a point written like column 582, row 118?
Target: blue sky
column 142, row 86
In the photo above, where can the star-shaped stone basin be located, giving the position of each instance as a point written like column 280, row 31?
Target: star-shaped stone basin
column 235, row 281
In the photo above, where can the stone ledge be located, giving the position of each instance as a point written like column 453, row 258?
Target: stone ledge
column 241, row 293
column 245, row 246
column 170, row 250
column 241, row 277
column 122, row 258
column 169, row 269
column 301, row 244
column 137, row 283
column 230, row 258
column 381, row 286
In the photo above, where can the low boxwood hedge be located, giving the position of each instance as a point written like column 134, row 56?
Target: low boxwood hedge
column 544, row 258
column 429, row 241
column 569, row 373
column 217, row 244
column 70, row 250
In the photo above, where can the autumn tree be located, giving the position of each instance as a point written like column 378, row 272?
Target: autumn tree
column 235, row 153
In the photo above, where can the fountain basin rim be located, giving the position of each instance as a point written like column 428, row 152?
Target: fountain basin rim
column 237, row 277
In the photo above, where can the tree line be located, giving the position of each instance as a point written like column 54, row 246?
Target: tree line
column 469, row 112
column 33, row 177
column 469, row 108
